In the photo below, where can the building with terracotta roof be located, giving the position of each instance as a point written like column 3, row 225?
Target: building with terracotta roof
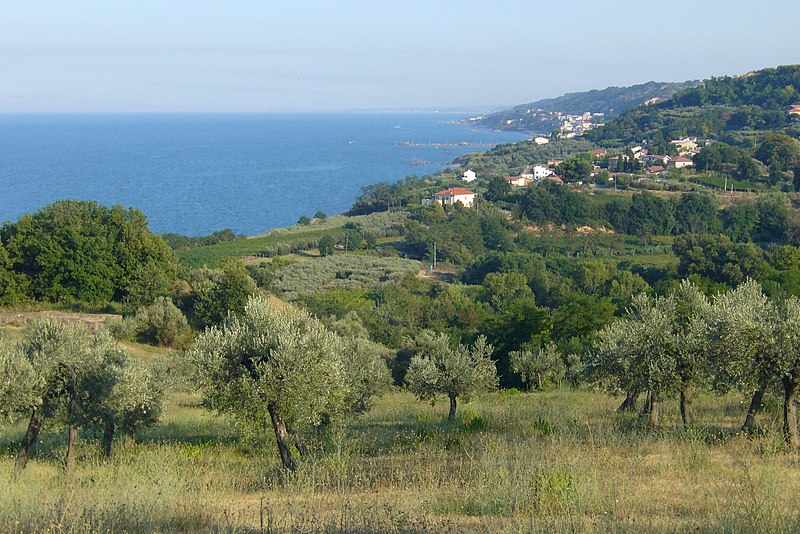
column 455, row 194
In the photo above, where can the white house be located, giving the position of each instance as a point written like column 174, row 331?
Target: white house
column 453, row 195
column 469, row 176
column 681, row 162
column 540, row 172
column 541, row 140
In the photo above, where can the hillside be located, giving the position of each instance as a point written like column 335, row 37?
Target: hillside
column 730, row 109
column 541, row 116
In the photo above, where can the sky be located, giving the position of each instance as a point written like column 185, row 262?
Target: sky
column 310, row 55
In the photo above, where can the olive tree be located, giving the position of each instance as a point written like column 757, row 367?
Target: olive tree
column 366, row 373
column 637, row 352
column 786, row 361
column 659, row 346
column 536, row 367
column 283, row 366
column 740, row 341
column 66, row 358
column 611, row 363
column 124, row 394
column 690, row 343
column 19, row 382
column 457, row 373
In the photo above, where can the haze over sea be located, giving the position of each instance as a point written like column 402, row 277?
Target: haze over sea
column 197, row 173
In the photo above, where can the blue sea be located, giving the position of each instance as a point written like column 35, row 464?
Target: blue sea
column 197, row 173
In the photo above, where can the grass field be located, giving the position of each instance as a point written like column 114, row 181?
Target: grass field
column 542, row 462
column 719, row 182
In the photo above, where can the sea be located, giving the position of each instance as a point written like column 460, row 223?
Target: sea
column 194, row 174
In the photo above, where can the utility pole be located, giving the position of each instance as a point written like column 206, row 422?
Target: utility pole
column 434, row 255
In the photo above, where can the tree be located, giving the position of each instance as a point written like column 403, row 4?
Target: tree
column 456, row 373
column 637, row 353
column 495, row 236
column 498, row 189
column 321, row 215
column 786, row 362
column 12, row 284
column 779, row 149
column 539, row 367
column 718, row 258
column 304, row 220
column 502, row 289
column 692, row 311
column 659, row 347
column 67, row 360
column 649, row 215
column 326, row 246
column 696, row 213
column 215, row 293
column 85, row 251
column 575, row 169
column 740, row 222
column 280, row 365
column 127, row 396
column 19, row 382
column 366, row 374
column 740, row 343
column 624, row 286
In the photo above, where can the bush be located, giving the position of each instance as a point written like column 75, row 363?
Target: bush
column 161, row 323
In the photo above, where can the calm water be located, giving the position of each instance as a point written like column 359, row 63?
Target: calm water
column 197, row 173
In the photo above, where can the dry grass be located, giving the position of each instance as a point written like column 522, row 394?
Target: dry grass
column 560, row 461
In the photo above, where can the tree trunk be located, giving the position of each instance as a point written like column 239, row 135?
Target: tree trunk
column 452, row 414
column 686, row 405
column 653, row 413
column 298, row 441
column 108, row 437
column 648, row 403
column 629, row 404
column 790, row 390
column 30, row 439
column 71, row 443
column 753, row 410
column 281, row 436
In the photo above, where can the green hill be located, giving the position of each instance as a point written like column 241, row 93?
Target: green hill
column 737, row 110
column 540, row 116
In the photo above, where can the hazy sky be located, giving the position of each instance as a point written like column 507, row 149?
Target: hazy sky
column 240, row 55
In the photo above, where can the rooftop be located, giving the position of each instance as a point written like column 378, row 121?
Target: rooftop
column 454, row 191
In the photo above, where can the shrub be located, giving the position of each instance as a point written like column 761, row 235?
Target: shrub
column 161, row 323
